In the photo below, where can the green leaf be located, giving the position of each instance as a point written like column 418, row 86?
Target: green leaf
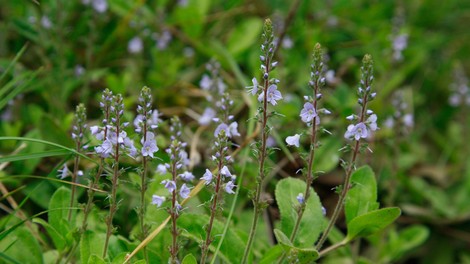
column 91, row 244
column 282, row 238
column 189, row 259
column 194, row 225
column 94, row 259
column 311, row 224
column 272, row 255
column 58, row 240
column 401, row 243
column 27, row 156
column 59, row 209
column 372, row 222
column 22, row 247
column 245, row 35
column 302, row 255
column 362, row 198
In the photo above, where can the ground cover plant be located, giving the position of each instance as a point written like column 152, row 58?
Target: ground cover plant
column 234, row 132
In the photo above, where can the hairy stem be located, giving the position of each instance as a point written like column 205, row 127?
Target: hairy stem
column 174, row 217
column 143, row 189
column 259, row 184
column 74, row 177
column 113, row 207
column 208, row 241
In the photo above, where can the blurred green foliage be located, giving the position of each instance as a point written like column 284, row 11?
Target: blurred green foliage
column 56, row 54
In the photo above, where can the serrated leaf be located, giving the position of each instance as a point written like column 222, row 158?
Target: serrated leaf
column 282, row 238
column 300, row 255
column 312, row 224
column 372, row 222
column 189, row 259
column 362, row 198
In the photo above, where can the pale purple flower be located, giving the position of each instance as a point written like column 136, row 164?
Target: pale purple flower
column 94, row 130
column 135, row 45
column 233, row 130
column 293, row 140
column 186, row 176
column 149, row 148
column 323, row 211
column 205, row 82
column 229, row 187
column 287, row 43
column 272, row 95
column 300, row 198
column 158, row 200
column 184, row 191
column 46, row 22
column 100, row 6
column 389, row 122
column 163, row 40
column 253, row 89
column 161, row 169
column 372, row 122
column 408, row 120
column 207, row 177
column 105, row 149
column 225, row 172
column 79, row 70
column 207, row 116
column 308, row 113
column 184, row 157
column 64, row 172
column 169, row 185
column 356, row 131
column 221, row 127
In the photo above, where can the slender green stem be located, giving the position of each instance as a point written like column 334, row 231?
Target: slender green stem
column 259, row 184
column 113, row 207
column 208, row 240
column 347, row 181
column 143, row 189
column 74, row 178
column 174, row 216
column 332, row 247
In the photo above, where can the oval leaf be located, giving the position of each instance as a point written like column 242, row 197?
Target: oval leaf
column 189, row 259
column 372, row 222
column 312, row 223
column 362, row 197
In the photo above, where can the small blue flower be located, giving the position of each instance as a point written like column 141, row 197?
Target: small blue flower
column 372, row 122
column 135, row 45
column 149, row 148
column 308, row 113
column 293, row 140
column 207, row 116
column 169, row 185
column 64, row 172
column 157, row 200
column 161, row 169
column 186, row 176
column 184, row 191
column 207, row 177
column 253, row 89
column 273, row 95
column 229, row 187
column 300, row 198
column 356, row 131
column 225, row 172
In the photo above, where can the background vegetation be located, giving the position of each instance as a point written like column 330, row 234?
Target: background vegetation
column 56, row 54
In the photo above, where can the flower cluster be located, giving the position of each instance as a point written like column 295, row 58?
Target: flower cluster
column 366, row 122
column 112, row 135
column 146, row 122
column 269, row 89
column 310, row 114
column 80, row 124
column 213, row 83
column 178, row 166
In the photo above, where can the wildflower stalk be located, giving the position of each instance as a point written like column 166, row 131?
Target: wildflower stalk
column 268, row 52
column 118, row 108
column 208, row 240
column 174, row 217
column 105, row 104
column 77, row 135
column 222, row 133
column 365, row 96
column 317, row 81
